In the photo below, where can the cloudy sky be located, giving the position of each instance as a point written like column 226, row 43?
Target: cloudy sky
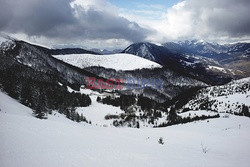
column 118, row 23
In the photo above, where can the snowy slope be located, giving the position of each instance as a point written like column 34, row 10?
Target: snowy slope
column 114, row 61
column 224, row 70
column 96, row 112
column 58, row 142
column 226, row 98
column 11, row 106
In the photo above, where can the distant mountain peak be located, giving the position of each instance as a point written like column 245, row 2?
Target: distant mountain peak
column 106, row 51
column 193, row 42
column 5, row 38
column 142, row 49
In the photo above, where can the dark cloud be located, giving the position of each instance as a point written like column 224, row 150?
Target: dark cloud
column 34, row 17
column 57, row 19
column 232, row 17
column 95, row 20
column 229, row 17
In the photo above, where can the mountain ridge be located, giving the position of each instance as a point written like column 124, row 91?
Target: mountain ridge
column 195, row 57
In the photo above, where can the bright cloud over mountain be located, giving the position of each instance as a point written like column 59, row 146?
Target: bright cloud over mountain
column 110, row 23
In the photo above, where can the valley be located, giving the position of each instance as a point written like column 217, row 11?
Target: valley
column 184, row 106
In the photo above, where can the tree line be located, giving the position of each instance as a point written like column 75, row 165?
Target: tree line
column 40, row 91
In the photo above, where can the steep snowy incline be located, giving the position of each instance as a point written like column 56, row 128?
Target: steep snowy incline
column 11, row 106
column 58, row 142
column 114, row 61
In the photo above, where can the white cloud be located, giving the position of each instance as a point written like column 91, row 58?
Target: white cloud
column 224, row 20
column 97, row 23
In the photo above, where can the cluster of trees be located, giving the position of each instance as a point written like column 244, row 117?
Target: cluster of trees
column 243, row 89
column 124, row 101
column 39, row 91
column 148, row 112
column 110, row 116
column 71, row 114
column 244, row 111
column 110, row 101
column 132, row 124
column 131, row 104
column 146, row 103
column 208, row 104
column 224, row 90
column 174, row 119
column 129, row 118
column 183, row 98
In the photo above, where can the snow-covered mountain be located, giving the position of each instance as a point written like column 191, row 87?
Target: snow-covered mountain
column 212, row 50
column 114, row 61
column 196, row 56
column 32, row 68
column 201, row 47
column 206, row 125
column 151, row 52
column 37, row 58
column 135, row 71
column 35, row 63
column 176, row 61
column 29, row 74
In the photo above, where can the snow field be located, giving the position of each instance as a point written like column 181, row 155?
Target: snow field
column 115, row 61
column 27, row 141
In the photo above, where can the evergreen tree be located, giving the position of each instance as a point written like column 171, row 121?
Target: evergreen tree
column 40, row 111
column 67, row 113
column 25, row 94
column 137, row 125
column 172, row 116
column 98, row 99
column 160, row 141
column 77, row 117
column 245, row 111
